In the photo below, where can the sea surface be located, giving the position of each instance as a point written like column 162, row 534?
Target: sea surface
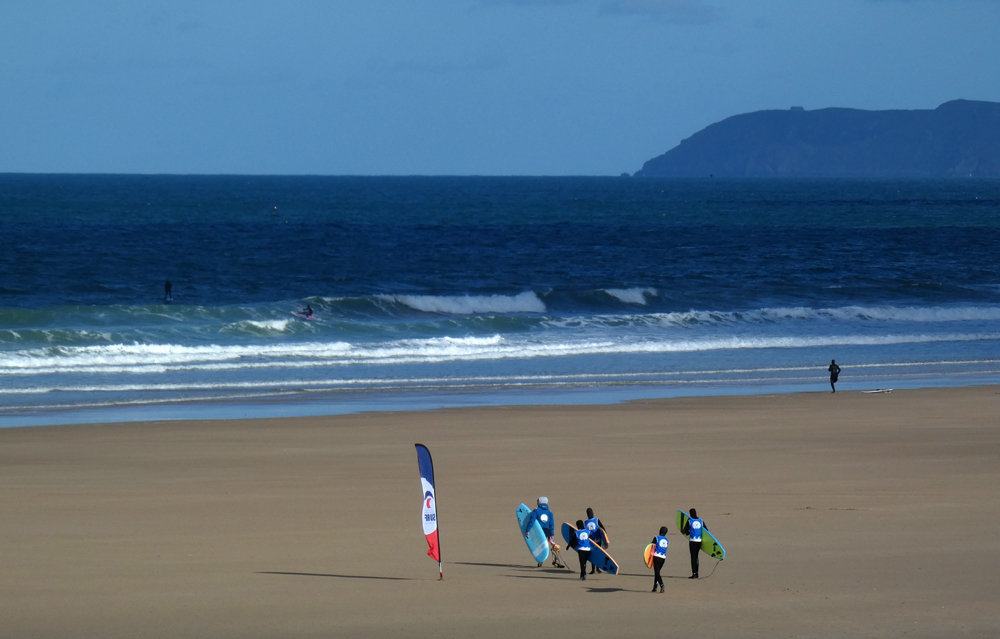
column 467, row 290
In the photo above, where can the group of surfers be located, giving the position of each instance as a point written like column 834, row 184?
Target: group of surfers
column 591, row 531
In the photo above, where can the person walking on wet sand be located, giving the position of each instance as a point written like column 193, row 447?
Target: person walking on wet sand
column 581, row 542
column 660, row 543
column 692, row 528
column 834, row 374
column 597, row 535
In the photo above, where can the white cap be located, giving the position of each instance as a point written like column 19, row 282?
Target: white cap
column 543, row 500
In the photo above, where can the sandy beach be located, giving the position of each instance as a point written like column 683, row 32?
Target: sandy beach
column 843, row 515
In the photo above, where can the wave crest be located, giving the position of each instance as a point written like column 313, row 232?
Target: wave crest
column 527, row 302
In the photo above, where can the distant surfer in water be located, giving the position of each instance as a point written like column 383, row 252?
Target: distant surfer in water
column 581, row 542
column 597, row 535
column 168, row 291
column 544, row 516
column 660, row 543
column 308, row 312
column 834, row 374
column 692, row 528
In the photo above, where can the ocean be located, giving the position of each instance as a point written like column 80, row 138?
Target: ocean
column 441, row 291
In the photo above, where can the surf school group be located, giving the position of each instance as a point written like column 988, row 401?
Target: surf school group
column 589, row 538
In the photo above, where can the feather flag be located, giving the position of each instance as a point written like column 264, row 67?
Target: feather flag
column 429, row 517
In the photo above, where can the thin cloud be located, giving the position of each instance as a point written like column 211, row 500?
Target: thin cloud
column 675, row 11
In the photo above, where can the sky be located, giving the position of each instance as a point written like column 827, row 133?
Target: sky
column 453, row 87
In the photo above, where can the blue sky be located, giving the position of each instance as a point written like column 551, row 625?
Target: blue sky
column 498, row 87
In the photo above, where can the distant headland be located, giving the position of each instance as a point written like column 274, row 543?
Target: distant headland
column 960, row 138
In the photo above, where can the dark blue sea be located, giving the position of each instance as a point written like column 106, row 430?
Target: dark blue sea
column 455, row 291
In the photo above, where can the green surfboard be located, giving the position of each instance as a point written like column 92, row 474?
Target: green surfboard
column 709, row 544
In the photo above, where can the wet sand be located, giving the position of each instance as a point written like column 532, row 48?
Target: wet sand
column 846, row 515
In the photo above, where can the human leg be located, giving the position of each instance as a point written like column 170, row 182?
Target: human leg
column 584, row 556
column 657, row 579
column 695, row 547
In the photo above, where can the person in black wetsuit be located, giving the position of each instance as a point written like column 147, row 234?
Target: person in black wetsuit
column 581, row 542
column 660, row 543
column 596, row 529
column 692, row 529
column 834, row 374
column 168, row 291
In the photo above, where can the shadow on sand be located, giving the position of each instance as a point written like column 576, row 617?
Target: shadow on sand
column 316, row 574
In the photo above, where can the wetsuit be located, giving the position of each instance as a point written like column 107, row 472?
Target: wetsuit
column 834, row 374
column 582, row 545
column 597, row 536
column 660, row 544
column 693, row 530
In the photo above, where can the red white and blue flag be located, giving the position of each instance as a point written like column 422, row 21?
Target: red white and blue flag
column 429, row 517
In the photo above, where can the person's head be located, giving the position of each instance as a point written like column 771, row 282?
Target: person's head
column 590, row 513
column 833, row 361
column 579, row 524
column 543, row 501
column 663, row 531
column 694, row 513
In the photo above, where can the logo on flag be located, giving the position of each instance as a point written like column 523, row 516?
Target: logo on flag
column 428, row 517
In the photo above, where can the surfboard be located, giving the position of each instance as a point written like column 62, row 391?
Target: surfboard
column 538, row 543
column 879, row 390
column 709, row 544
column 304, row 316
column 647, row 555
column 598, row 556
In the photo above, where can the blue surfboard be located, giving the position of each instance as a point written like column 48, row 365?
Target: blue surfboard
column 538, row 543
column 598, row 556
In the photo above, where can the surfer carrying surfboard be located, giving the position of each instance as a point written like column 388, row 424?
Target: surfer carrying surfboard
column 581, row 542
column 834, row 374
column 544, row 516
column 598, row 535
column 660, row 543
column 692, row 529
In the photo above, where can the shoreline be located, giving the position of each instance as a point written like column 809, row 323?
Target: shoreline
column 320, row 404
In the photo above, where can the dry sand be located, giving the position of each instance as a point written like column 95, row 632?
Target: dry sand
column 846, row 515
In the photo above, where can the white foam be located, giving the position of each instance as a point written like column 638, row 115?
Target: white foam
column 526, row 302
column 631, row 295
column 267, row 325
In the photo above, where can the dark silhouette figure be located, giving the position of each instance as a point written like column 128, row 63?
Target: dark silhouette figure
column 660, row 544
column 596, row 529
column 168, row 291
column 581, row 542
column 834, row 374
column 692, row 528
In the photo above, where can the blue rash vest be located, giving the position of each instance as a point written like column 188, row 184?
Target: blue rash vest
column 593, row 526
column 660, row 549
column 695, row 526
column 543, row 516
column 583, row 540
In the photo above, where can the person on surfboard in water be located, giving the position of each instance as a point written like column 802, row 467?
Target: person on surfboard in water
column 308, row 312
column 168, row 291
column 544, row 516
column 597, row 535
column 834, row 374
column 581, row 542
column 660, row 543
column 693, row 528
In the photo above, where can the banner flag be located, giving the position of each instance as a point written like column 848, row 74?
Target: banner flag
column 429, row 517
